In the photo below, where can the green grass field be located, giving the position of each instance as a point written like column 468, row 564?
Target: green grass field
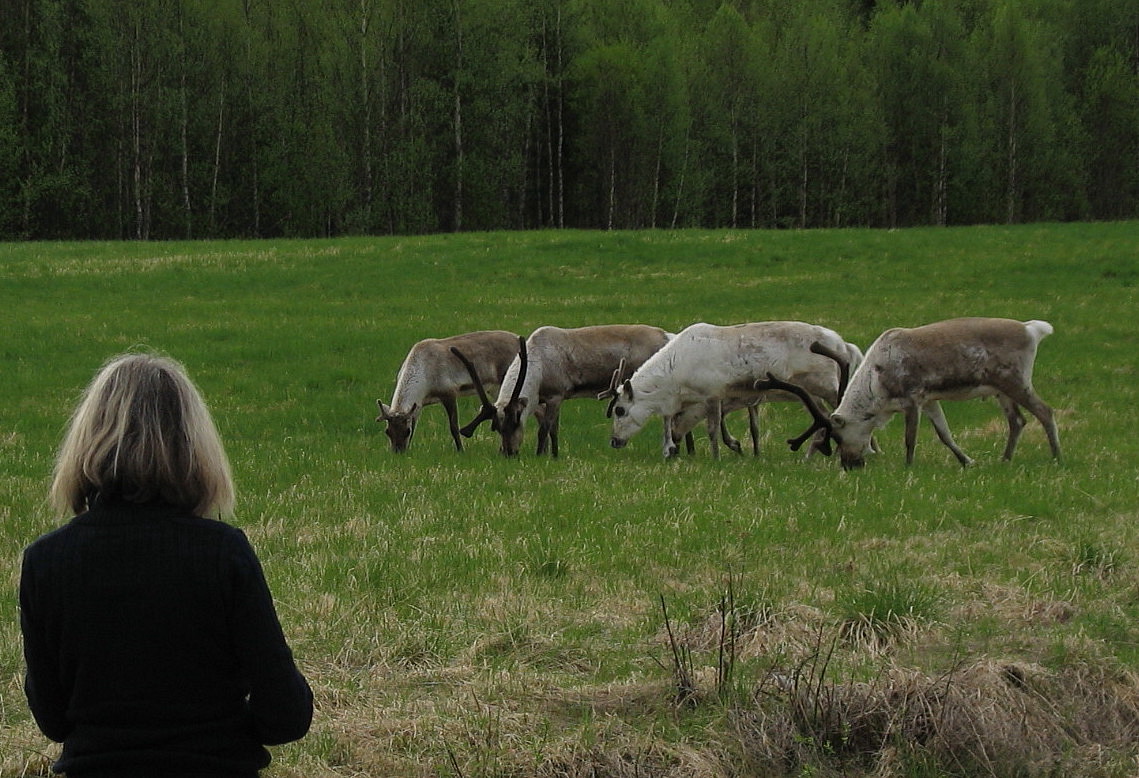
column 469, row 615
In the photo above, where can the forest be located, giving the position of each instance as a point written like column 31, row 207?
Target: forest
column 161, row 119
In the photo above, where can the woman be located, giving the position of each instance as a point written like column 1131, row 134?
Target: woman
column 152, row 644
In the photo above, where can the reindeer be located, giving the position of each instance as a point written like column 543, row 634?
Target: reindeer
column 431, row 374
column 682, row 429
column 849, row 358
column 706, row 366
column 911, row 370
column 554, row 365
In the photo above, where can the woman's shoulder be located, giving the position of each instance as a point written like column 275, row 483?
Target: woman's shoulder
column 213, row 531
column 49, row 540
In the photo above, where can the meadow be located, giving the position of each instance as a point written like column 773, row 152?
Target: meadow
column 610, row 613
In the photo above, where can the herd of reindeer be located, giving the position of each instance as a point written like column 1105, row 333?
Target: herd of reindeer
column 706, row 371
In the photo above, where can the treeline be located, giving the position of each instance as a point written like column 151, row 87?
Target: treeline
column 263, row 118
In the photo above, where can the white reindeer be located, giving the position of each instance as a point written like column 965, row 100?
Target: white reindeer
column 694, row 414
column 706, row 366
column 687, row 421
column 554, row 365
column 431, row 374
column 910, row 370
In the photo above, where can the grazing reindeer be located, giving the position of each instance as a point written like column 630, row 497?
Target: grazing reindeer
column 911, row 370
column 431, row 374
column 682, row 430
column 706, row 366
column 554, row 365
column 846, row 360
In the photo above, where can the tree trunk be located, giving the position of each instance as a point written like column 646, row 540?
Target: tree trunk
column 561, row 123
column 735, row 171
column 680, row 183
column 941, row 193
column 803, row 184
column 546, row 220
column 550, row 196
column 217, row 161
column 136, row 130
column 756, row 184
column 612, row 184
column 366, row 97
column 656, row 179
column 527, row 141
column 458, row 207
column 187, row 210
column 1013, row 161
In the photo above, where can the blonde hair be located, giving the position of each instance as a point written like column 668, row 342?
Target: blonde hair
column 142, row 432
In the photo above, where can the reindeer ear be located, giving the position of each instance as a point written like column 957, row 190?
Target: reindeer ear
column 627, row 390
column 385, row 411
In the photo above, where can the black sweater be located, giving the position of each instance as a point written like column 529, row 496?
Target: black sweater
column 153, row 647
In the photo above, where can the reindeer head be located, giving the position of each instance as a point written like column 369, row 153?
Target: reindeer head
column 401, row 426
column 509, row 423
column 853, row 437
column 628, row 414
column 620, row 395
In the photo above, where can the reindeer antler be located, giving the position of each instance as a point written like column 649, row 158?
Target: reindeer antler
column 521, row 370
column 614, row 389
column 487, row 412
column 821, row 422
column 843, row 365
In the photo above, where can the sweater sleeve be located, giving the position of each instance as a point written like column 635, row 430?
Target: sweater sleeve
column 47, row 698
column 280, row 699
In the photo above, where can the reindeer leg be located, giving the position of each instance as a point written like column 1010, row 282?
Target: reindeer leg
column 675, row 430
column 753, row 427
column 1015, row 424
column 1049, row 424
column 937, row 418
column 669, row 447
column 547, row 417
column 1043, row 413
column 450, row 406
column 554, row 426
column 726, row 435
column 714, row 413
column 543, row 439
column 913, row 415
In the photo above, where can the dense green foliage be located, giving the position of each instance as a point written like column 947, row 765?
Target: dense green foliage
column 249, row 118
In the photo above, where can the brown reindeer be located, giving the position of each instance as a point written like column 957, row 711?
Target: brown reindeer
column 431, row 374
column 911, row 370
column 554, row 365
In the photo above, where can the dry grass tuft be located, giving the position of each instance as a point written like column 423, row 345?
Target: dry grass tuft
column 985, row 718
